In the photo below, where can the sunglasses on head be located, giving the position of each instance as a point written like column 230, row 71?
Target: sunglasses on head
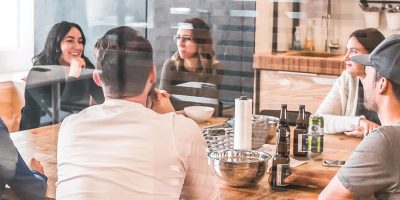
column 184, row 38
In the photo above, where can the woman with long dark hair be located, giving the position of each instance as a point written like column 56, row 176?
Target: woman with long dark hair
column 194, row 61
column 64, row 46
column 343, row 108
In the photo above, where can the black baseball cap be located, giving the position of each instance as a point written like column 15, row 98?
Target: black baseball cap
column 385, row 58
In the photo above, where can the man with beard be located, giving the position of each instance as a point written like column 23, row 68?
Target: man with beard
column 372, row 171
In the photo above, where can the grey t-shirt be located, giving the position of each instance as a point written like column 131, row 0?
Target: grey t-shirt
column 373, row 170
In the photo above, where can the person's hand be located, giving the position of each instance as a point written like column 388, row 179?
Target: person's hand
column 35, row 164
column 363, row 129
column 76, row 66
column 160, row 102
column 319, row 178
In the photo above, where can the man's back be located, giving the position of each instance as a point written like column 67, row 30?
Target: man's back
column 372, row 171
column 122, row 149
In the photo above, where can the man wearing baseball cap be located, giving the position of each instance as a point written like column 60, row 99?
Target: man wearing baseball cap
column 373, row 169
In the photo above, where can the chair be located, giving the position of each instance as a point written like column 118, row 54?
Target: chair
column 292, row 115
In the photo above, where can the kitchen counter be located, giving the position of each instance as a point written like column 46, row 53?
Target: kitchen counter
column 294, row 78
column 302, row 61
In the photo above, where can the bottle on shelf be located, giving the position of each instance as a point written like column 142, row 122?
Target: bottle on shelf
column 309, row 41
column 300, row 133
column 296, row 42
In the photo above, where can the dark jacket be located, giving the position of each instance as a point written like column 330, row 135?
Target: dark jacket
column 26, row 183
column 74, row 97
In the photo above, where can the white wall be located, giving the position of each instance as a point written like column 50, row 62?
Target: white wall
column 347, row 17
column 18, row 59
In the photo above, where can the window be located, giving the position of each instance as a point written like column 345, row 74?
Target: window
column 9, row 19
column 16, row 37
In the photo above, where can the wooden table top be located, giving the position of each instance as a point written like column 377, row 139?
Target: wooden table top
column 41, row 143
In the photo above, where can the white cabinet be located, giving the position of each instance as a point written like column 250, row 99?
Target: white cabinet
column 292, row 88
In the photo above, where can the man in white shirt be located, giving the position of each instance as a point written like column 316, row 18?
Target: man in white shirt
column 123, row 149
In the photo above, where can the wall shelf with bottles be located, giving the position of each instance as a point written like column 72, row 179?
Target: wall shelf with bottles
column 365, row 2
column 294, row 15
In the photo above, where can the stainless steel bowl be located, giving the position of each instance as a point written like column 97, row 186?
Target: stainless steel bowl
column 239, row 168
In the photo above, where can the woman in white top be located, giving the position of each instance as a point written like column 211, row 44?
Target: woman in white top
column 343, row 108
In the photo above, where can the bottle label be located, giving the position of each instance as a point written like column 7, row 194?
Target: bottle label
column 282, row 171
column 315, row 143
column 302, row 143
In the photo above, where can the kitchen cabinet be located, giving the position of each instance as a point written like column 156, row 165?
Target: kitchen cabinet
column 273, row 88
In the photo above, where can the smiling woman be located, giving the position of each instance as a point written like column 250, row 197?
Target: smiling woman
column 64, row 46
column 343, row 108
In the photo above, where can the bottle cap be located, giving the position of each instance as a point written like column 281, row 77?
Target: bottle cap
column 243, row 98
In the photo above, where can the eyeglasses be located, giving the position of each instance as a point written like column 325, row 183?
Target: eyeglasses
column 184, row 38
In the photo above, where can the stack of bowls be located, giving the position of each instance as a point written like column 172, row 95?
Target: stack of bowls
column 218, row 138
column 263, row 126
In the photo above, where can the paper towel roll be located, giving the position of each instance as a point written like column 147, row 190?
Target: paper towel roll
column 242, row 131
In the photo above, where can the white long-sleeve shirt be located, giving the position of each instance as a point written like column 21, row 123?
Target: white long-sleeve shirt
column 124, row 150
column 340, row 105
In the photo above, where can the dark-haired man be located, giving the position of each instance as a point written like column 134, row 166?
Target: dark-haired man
column 372, row 171
column 122, row 148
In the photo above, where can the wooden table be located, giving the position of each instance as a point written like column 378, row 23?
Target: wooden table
column 41, row 143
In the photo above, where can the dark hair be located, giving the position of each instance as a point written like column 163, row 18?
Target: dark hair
column 52, row 50
column 369, row 38
column 125, row 60
column 203, row 40
column 395, row 86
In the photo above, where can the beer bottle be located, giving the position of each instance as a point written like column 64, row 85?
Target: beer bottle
column 283, row 127
column 280, row 162
column 300, row 133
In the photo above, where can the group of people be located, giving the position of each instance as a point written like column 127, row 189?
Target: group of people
column 139, row 129
column 133, row 142
column 193, row 61
column 372, row 171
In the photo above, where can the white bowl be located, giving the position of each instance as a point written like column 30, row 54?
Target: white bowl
column 199, row 113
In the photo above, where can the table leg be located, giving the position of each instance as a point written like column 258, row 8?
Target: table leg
column 55, row 102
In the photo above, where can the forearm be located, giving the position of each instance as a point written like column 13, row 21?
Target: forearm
column 338, row 124
column 335, row 190
column 322, row 180
column 27, row 183
column 319, row 178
